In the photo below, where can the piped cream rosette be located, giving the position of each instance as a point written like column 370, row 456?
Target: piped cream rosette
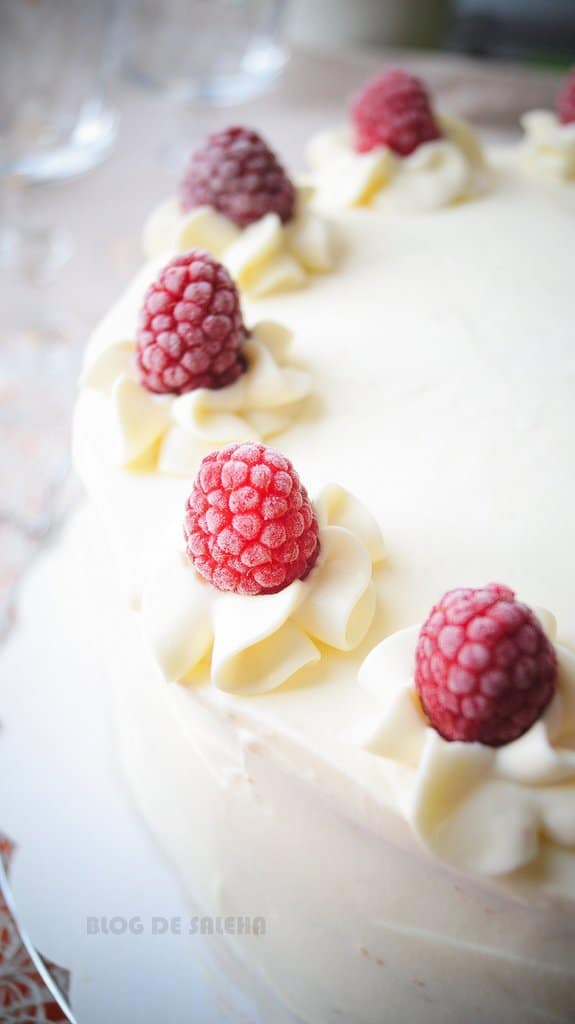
column 549, row 146
column 436, row 174
column 248, row 644
column 176, row 431
column 484, row 809
column 264, row 257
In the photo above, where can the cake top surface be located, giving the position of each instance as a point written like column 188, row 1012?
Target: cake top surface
column 444, row 379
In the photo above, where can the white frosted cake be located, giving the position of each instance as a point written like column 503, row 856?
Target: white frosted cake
column 405, row 340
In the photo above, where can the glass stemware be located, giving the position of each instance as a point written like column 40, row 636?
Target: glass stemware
column 210, row 52
column 57, row 59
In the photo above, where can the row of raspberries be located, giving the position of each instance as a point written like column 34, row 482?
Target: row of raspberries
column 238, row 175
column 191, row 330
column 485, row 670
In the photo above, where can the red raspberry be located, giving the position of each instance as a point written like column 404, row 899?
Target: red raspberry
column 565, row 104
column 484, row 668
column 191, row 330
column 250, row 526
column 393, row 110
column 236, row 173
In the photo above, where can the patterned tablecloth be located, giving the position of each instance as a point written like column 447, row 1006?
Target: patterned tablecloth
column 102, row 216
column 24, row 995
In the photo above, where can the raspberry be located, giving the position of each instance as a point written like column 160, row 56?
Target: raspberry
column 250, row 526
column 565, row 104
column 393, row 110
column 191, row 331
column 236, row 173
column 484, row 668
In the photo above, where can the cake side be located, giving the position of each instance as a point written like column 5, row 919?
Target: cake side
column 335, row 867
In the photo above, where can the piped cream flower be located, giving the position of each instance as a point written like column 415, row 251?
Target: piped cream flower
column 249, row 644
column 435, row 174
column 549, row 146
column 485, row 809
column 264, row 257
column 179, row 430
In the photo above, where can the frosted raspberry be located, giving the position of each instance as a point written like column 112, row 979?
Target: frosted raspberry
column 565, row 105
column 191, row 330
column 236, row 173
column 393, row 110
column 250, row 526
column 485, row 669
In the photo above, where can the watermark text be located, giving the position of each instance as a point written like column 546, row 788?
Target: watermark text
column 243, row 924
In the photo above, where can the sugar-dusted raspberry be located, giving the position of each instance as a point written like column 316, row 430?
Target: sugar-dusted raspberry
column 236, row 173
column 565, row 105
column 250, row 526
column 191, row 331
column 393, row 110
column 484, row 668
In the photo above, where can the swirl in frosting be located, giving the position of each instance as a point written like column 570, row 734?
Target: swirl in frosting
column 180, row 429
column 483, row 809
column 263, row 258
column 251, row 645
column 437, row 173
column 549, row 146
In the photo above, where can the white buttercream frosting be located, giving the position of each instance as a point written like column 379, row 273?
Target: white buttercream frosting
column 426, row 454
column 264, row 257
column 254, row 644
column 436, row 174
column 178, row 430
column 483, row 809
column 549, row 146
column 253, row 816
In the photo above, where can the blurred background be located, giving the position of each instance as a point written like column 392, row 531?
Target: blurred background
column 102, row 100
